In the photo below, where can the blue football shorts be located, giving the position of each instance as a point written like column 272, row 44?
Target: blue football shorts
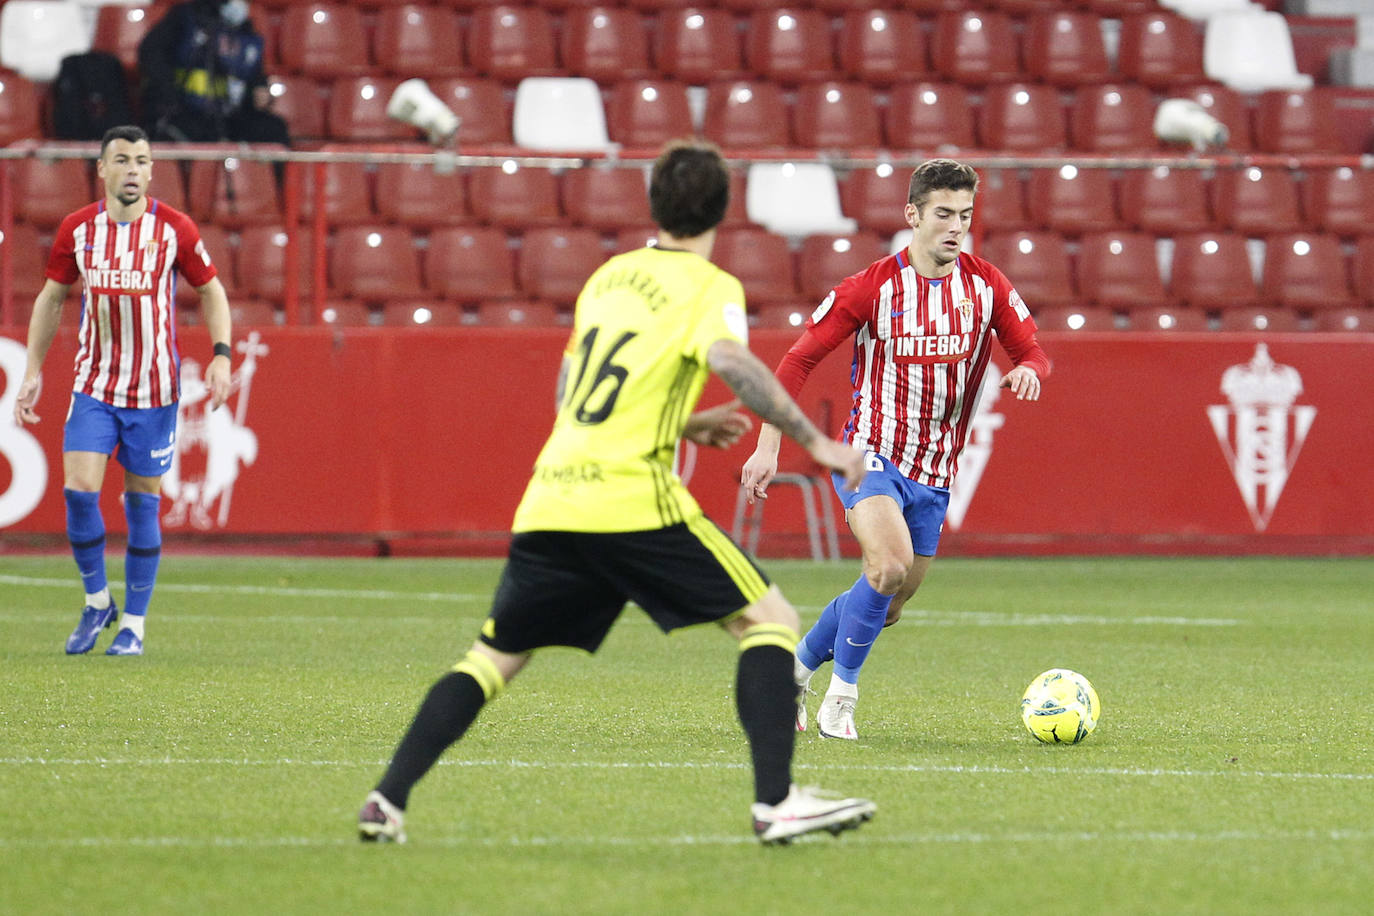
column 923, row 507
column 146, row 436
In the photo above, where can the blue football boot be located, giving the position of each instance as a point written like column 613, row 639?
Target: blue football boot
column 93, row 620
column 125, row 643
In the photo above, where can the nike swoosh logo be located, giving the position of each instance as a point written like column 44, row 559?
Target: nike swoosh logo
column 858, row 645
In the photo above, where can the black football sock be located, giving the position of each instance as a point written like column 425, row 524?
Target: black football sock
column 450, row 707
column 766, row 697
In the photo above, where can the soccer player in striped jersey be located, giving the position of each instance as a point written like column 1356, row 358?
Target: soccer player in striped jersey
column 921, row 322
column 605, row 520
column 126, row 249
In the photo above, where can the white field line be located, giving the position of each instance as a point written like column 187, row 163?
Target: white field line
column 281, row 591
column 869, row 837
column 910, row 616
column 957, row 769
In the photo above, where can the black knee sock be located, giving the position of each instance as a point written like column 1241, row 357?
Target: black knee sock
column 450, row 707
column 766, row 697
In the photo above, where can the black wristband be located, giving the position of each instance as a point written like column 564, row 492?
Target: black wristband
column 222, row 349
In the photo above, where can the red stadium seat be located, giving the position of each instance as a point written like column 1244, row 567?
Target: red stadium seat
column 648, row 113
column 1001, row 201
column 1256, row 201
column 1075, row 318
column 233, row 192
column 1260, row 318
column 422, row 313
column 302, row 101
column 883, row 47
column 1160, row 49
column 419, row 196
column 1022, row 116
column 1072, row 200
column 168, row 186
column 761, row 261
column 345, row 313
column 746, row 114
column 635, row 237
column 513, row 196
column 1211, row 270
column 1120, row 270
column 323, row 39
column 1364, row 268
column 1339, row 200
column 975, row 47
column 1344, row 320
column 791, row 44
column 1024, row 7
column 522, row 314
column 1037, row 264
column 1064, row 47
column 1164, row 200
column 876, row 198
column 374, row 263
column 470, row 264
column 254, row 313
column 510, row 42
column 697, row 44
column 1296, row 122
column 262, row 254
column 605, row 43
column 835, row 115
column 49, row 189
column 119, row 29
column 19, row 112
column 418, row 40
column 929, row 117
column 1167, row 318
column 1226, row 105
column 347, row 193
column 1118, row 8
column 825, row 260
column 779, row 316
column 555, row 262
column 1113, row 118
column 28, row 261
column 1306, row 271
column 357, row 110
column 606, row 198
column 481, row 105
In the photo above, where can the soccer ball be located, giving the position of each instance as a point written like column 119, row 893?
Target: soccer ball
column 1060, row 707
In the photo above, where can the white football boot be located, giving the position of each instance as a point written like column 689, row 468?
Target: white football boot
column 805, row 810
column 836, row 716
column 380, row 821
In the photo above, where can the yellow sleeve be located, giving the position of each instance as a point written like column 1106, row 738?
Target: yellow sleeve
column 720, row 315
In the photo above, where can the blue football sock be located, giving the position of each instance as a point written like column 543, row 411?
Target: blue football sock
column 145, row 548
column 862, row 621
column 817, row 646
column 86, row 532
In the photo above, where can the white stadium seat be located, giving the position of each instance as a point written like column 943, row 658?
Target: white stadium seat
column 796, row 198
column 1251, row 52
column 36, row 34
column 560, row 113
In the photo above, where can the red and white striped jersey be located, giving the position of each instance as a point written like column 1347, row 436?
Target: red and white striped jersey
column 921, row 347
column 127, row 354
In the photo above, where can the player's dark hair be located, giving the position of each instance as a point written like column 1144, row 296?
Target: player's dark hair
column 940, row 175
column 689, row 188
column 127, row 132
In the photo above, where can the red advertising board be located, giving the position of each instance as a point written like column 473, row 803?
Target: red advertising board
column 1140, row 443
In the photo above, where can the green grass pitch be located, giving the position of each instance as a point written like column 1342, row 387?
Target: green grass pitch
column 1232, row 771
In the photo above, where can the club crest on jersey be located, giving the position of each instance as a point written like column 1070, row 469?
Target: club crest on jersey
column 965, row 308
column 932, row 348
column 150, row 248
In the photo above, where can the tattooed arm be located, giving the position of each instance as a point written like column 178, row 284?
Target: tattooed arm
column 755, row 385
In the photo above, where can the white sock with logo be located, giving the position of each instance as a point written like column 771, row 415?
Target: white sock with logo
column 99, row 600
column 840, row 687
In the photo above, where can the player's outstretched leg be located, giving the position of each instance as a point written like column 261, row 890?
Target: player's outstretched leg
column 814, row 650
column 860, row 623
column 806, row 810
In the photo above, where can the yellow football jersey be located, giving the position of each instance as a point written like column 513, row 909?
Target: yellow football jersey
column 636, row 367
